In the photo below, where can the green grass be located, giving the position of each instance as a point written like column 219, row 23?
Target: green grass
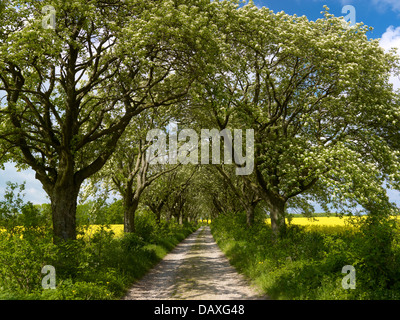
column 307, row 264
column 100, row 267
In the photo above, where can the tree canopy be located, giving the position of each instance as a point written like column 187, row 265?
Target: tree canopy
column 316, row 94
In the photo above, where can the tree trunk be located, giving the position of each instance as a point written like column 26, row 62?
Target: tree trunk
column 130, row 206
column 277, row 214
column 276, row 205
column 156, row 209
column 158, row 216
column 250, row 215
column 179, row 218
column 63, row 207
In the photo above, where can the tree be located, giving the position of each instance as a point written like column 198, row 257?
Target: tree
column 156, row 196
column 310, row 90
column 129, row 170
column 241, row 188
column 71, row 91
column 174, row 194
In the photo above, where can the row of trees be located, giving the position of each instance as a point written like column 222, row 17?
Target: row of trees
column 78, row 100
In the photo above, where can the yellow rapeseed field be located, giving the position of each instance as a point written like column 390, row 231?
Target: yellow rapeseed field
column 208, row 221
column 88, row 231
column 322, row 224
column 320, row 221
column 317, row 221
column 118, row 229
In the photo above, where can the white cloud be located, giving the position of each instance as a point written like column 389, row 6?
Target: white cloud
column 391, row 39
column 33, row 188
column 394, row 196
column 385, row 4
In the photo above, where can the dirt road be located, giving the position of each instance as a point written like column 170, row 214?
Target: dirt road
column 195, row 270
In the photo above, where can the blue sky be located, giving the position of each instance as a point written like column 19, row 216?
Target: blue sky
column 382, row 15
column 379, row 14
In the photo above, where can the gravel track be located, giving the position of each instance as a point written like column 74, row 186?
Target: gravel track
column 196, row 269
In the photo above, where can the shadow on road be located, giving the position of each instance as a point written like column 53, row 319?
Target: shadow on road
column 195, row 270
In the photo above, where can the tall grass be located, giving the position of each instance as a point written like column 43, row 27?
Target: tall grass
column 101, row 264
column 307, row 263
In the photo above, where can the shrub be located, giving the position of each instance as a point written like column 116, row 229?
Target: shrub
column 21, row 261
column 307, row 262
column 145, row 225
column 378, row 256
column 79, row 290
column 97, row 267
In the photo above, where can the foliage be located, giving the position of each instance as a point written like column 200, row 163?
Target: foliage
column 378, row 252
column 307, row 263
column 11, row 205
column 175, row 195
column 69, row 92
column 100, row 267
column 77, row 101
column 15, row 213
column 99, row 212
column 314, row 92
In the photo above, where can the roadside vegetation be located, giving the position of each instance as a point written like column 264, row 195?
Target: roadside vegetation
column 307, row 262
column 306, row 110
column 100, row 264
